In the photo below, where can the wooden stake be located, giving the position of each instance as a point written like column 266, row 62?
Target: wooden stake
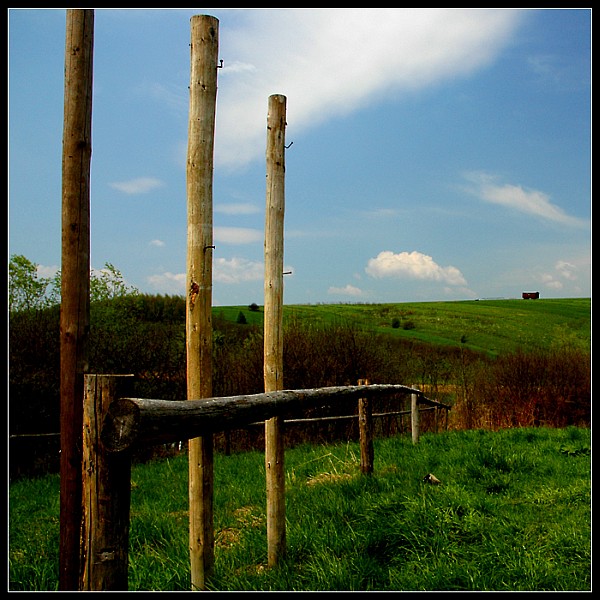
column 75, row 285
column 414, row 417
column 203, row 93
column 365, row 427
column 273, row 326
column 106, row 491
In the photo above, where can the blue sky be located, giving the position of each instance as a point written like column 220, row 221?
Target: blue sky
column 437, row 154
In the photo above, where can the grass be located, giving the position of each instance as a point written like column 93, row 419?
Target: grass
column 491, row 326
column 513, row 512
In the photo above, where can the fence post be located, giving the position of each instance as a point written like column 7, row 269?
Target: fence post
column 203, row 94
column 75, row 286
column 414, row 417
column 365, row 427
column 273, row 326
column 106, row 484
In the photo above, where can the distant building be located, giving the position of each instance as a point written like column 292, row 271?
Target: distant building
column 531, row 295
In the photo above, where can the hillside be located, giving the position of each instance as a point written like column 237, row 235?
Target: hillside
column 490, row 326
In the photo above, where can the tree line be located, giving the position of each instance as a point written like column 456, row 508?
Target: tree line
column 144, row 334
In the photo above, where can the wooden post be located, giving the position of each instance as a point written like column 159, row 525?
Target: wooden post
column 365, row 426
column 414, row 417
column 273, row 328
column 75, row 283
column 106, row 492
column 203, row 93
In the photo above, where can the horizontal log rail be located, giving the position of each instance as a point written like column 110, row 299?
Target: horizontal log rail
column 132, row 422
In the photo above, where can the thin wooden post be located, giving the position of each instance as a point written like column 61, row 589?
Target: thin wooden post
column 273, row 327
column 365, row 426
column 414, row 417
column 75, row 282
column 106, row 491
column 203, row 93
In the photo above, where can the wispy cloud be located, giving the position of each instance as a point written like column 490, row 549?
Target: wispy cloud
column 329, row 62
column 237, row 235
column 516, row 197
column 141, row 185
column 237, row 208
column 157, row 243
column 412, row 265
column 348, row 290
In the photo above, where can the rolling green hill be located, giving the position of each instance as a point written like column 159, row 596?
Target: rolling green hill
column 491, row 326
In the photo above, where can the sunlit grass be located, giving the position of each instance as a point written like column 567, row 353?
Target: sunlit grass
column 513, row 512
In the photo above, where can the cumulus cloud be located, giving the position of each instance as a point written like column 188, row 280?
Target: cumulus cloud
column 516, row 197
column 141, row 185
column 564, row 272
column 169, row 283
column 237, row 235
column 237, row 270
column 230, row 271
column 412, row 265
column 329, row 62
column 348, row 290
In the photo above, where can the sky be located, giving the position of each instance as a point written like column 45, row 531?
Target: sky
column 433, row 154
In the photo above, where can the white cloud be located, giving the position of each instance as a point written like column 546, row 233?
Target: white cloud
column 566, row 270
column 563, row 272
column 168, row 283
column 141, row 185
column 348, row 290
column 412, row 265
column 47, row 272
column 528, row 201
column 237, row 208
column 237, row 270
column 237, row 235
column 329, row 62
column 230, row 271
column 157, row 243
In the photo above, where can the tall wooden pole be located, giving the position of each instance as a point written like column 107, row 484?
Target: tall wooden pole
column 75, row 286
column 273, row 327
column 203, row 94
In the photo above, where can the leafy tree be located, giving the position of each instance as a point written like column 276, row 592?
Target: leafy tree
column 26, row 289
column 108, row 283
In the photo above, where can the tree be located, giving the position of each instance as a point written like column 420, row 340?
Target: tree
column 26, row 289
column 108, row 283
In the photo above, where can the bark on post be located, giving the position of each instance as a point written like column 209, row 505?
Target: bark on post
column 106, row 491
column 203, row 93
column 365, row 426
column 273, row 328
column 75, row 285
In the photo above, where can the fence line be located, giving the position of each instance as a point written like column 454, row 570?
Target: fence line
column 120, row 424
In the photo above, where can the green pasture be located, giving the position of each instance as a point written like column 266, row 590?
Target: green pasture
column 491, row 326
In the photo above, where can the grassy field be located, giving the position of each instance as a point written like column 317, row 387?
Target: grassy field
column 491, row 326
column 513, row 512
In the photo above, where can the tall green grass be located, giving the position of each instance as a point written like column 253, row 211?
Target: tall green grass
column 513, row 512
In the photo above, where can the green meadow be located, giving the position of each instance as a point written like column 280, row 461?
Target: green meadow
column 490, row 326
column 512, row 513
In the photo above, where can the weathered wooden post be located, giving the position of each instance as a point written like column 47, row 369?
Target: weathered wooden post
column 365, row 427
column 273, row 327
column 203, row 94
column 414, row 417
column 106, row 480
column 75, row 283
